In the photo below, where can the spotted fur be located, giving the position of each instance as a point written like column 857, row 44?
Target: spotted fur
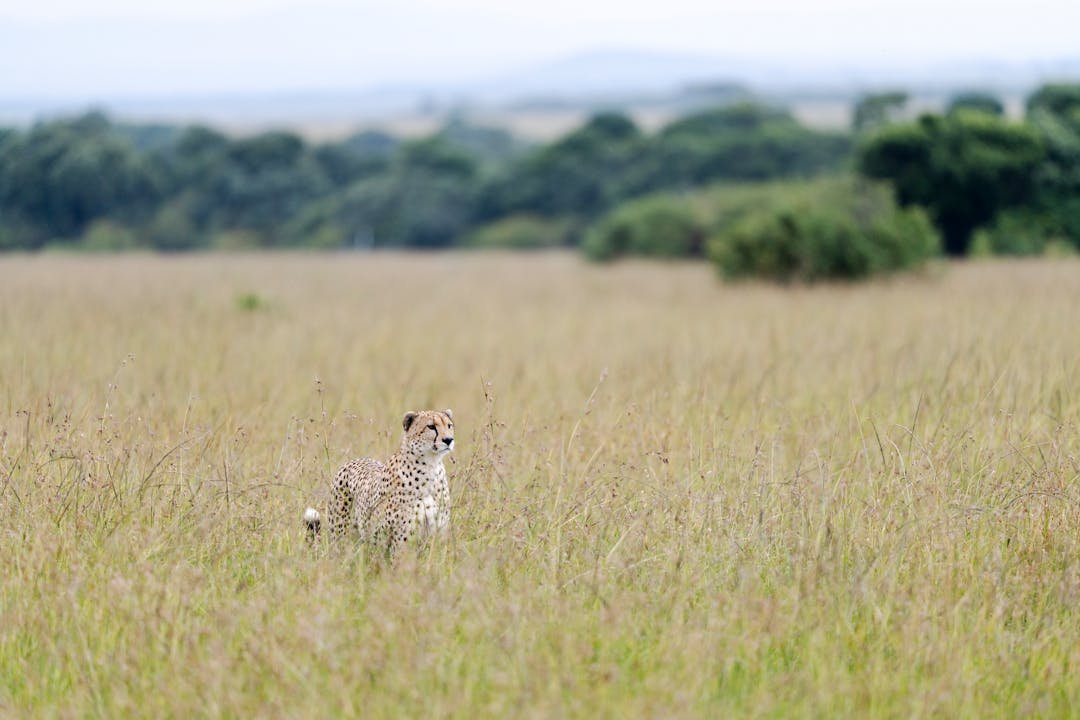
column 408, row 497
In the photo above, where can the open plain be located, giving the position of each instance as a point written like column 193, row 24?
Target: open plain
column 672, row 497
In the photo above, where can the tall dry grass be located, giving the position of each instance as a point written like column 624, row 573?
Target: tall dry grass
column 672, row 498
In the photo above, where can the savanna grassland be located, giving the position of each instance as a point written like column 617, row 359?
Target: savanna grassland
column 673, row 497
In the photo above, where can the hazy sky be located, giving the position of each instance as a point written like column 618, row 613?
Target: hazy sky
column 106, row 48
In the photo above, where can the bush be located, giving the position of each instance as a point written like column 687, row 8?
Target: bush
column 1016, row 232
column 250, row 302
column 656, row 226
column 107, row 236
column 823, row 230
column 1055, row 98
column 976, row 102
column 237, row 240
column 172, row 227
column 520, row 232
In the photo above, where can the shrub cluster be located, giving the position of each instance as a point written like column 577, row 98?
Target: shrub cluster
column 521, row 232
column 814, row 230
column 823, row 230
column 663, row 226
column 1021, row 232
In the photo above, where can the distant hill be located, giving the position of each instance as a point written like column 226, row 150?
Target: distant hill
column 612, row 72
column 624, row 71
column 612, row 78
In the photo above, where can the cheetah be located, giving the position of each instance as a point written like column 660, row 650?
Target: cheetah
column 408, row 496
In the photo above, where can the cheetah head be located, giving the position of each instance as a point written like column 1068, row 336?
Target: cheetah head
column 429, row 433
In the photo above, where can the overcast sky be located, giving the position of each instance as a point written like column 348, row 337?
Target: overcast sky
column 106, row 48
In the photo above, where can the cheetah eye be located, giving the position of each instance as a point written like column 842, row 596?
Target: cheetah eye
column 431, row 426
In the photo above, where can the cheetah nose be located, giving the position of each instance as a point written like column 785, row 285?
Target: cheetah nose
column 448, row 441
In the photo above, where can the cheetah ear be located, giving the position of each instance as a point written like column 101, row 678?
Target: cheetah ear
column 449, row 413
column 408, row 420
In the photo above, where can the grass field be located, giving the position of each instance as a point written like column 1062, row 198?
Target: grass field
column 673, row 498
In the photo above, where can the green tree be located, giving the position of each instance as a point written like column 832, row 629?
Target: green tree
column 62, row 175
column 745, row 141
column 426, row 199
column 580, row 175
column 978, row 102
column 1054, row 114
column 259, row 184
column 964, row 168
column 489, row 147
column 742, row 116
column 877, row 109
column 343, row 163
column 150, row 137
column 1061, row 99
column 372, row 143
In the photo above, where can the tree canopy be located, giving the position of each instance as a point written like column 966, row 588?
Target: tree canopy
column 964, row 168
column 92, row 183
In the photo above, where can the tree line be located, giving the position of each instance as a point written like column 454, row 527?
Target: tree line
column 983, row 182
column 90, row 182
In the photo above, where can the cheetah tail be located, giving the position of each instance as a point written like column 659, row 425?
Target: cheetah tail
column 313, row 522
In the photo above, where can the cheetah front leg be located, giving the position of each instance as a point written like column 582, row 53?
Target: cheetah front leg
column 407, row 524
column 442, row 515
column 430, row 517
column 427, row 515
